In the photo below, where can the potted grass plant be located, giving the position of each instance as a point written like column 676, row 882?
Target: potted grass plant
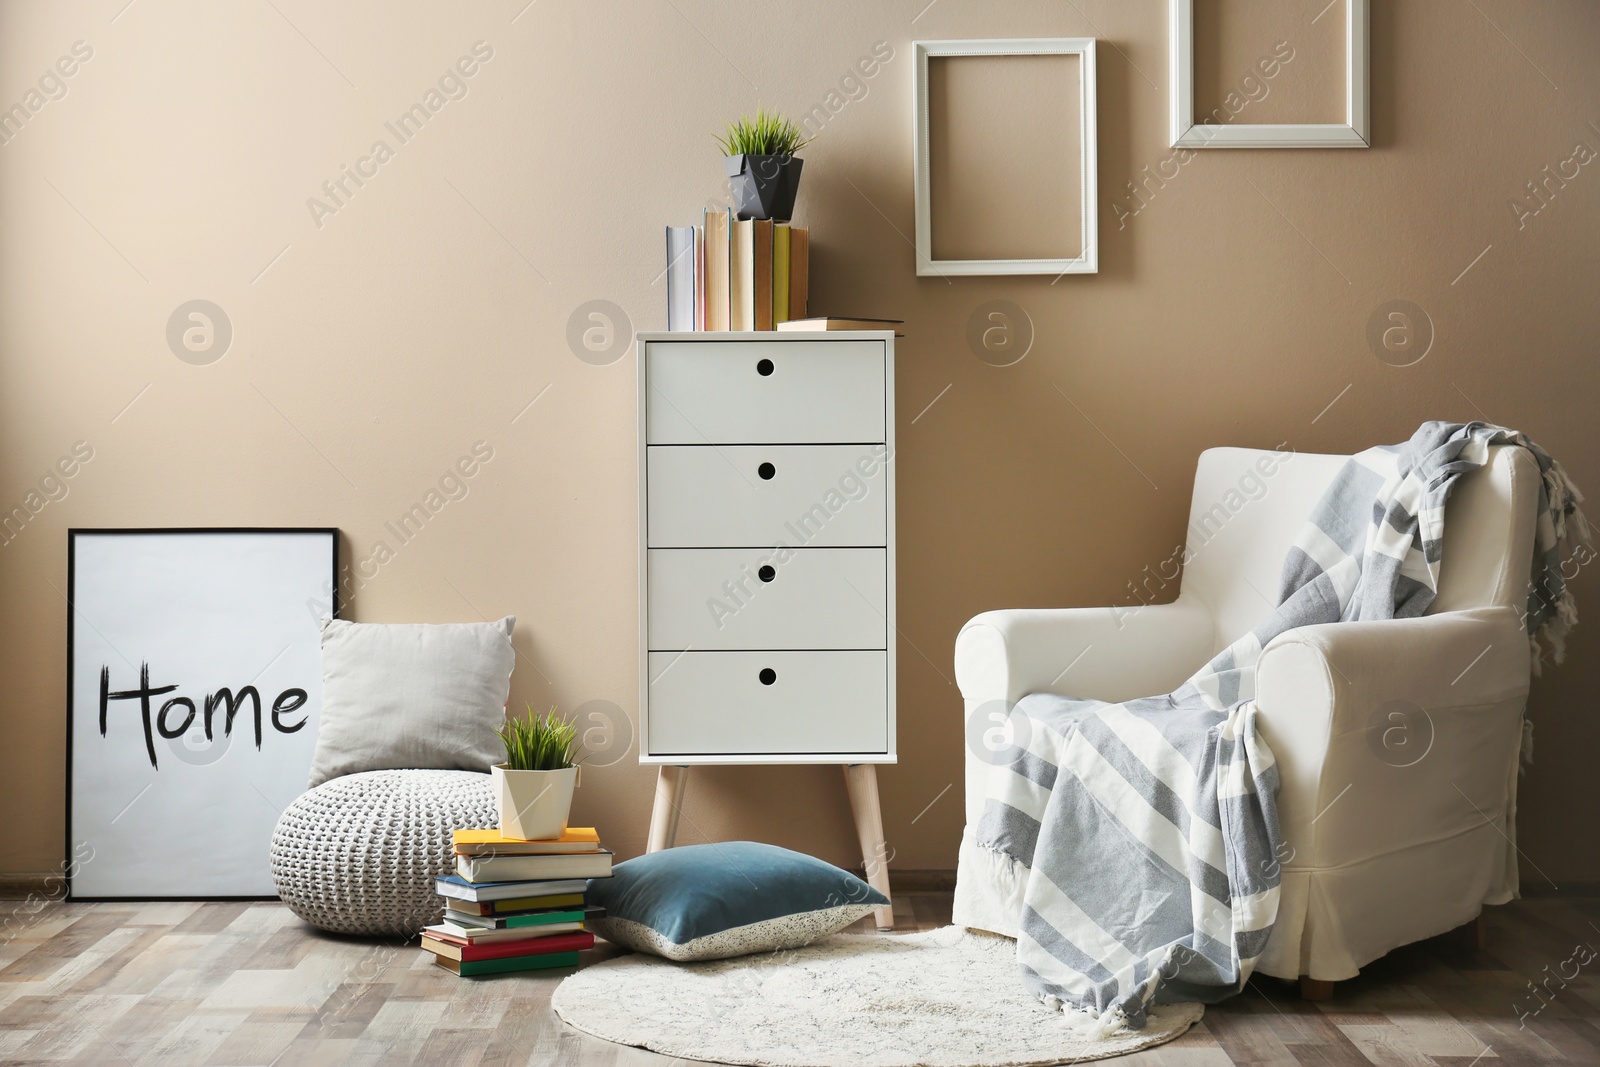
column 762, row 169
column 534, row 785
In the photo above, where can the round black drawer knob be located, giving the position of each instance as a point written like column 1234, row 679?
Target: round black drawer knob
column 766, row 470
column 767, row 676
column 767, row 573
column 764, row 367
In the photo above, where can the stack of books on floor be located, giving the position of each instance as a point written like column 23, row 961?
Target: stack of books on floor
column 736, row 274
column 516, row 905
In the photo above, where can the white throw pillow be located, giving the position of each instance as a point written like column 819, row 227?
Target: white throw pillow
column 412, row 695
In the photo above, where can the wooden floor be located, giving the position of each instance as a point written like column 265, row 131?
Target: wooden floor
column 175, row 984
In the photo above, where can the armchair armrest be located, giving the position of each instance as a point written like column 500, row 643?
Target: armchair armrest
column 1104, row 653
column 1393, row 734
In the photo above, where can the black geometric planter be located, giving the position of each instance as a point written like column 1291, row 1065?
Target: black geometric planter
column 764, row 187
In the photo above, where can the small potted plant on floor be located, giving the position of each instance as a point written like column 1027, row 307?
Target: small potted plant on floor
column 534, row 785
column 761, row 165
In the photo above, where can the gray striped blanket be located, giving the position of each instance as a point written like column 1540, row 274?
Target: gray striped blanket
column 1149, row 828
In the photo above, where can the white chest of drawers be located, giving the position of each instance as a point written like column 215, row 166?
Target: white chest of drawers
column 766, row 559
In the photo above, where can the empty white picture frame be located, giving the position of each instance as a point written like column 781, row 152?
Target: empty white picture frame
column 1352, row 133
column 1059, row 198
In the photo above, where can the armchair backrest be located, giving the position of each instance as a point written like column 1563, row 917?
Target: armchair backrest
column 1249, row 505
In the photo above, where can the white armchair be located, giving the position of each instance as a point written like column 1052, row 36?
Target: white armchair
column 1397, row 742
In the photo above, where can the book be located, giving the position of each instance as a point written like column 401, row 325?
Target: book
column 514, row 906
column 819, row 325
column 680, row 278
column 492, row 843
column 799, row 271
column 761, row 273
column 480, row 869
column 716, row 316
column 523, row 920
column 780, row 272
column 741, row 275
column 474, row 968
column 520, row 890
column 472, row 935
column 537, row 946
column 700, row 277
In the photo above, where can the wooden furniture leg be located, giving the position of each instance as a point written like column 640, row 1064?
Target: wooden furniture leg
column 1470, row 936
column 861, row 780
column 1315, row 989
column 670, row 785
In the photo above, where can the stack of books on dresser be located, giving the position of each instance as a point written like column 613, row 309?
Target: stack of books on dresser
column 516, row 905
column 736, row 274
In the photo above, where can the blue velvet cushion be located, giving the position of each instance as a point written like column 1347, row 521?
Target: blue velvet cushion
column 703, row 902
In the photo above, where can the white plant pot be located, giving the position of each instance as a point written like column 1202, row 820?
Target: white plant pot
column 534, row 805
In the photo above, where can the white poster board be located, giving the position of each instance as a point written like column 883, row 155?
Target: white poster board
column 164, row 627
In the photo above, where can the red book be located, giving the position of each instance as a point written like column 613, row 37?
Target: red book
column 496, row 950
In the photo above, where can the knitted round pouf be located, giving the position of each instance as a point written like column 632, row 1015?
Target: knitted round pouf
column 359, row 854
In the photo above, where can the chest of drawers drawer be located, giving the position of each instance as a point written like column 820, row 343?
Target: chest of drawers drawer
column 753, row 599
column 764, row 392
column 777, row 703
column 756, row 496
column 766, row 548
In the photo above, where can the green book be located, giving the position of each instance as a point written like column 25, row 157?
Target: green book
column 470, row 968
column 780, row 273
column 511, row 922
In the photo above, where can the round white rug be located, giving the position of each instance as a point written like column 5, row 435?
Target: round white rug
column 945, row 998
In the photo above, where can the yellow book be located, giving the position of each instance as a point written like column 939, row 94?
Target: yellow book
column 780, row 273
column 491, row 842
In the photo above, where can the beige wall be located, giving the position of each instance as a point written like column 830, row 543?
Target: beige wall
column 424, row 315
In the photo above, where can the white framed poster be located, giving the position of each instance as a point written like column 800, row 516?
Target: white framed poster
column 194, row 687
